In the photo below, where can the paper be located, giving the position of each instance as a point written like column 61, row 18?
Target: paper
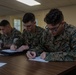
column 2, row 64
column 10, row 51
column 38, row 59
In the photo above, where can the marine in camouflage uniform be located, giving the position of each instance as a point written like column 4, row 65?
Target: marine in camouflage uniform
column 9, row 35
column 59, row 39
column 31, row 36
column 61, row 47
column 11, row 38
column 33, row 39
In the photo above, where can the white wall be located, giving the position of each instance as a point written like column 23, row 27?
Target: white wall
column 69, row 13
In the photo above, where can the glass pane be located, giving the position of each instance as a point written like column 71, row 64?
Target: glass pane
column 17, row 23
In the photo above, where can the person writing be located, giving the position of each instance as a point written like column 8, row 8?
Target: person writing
column 59, row 39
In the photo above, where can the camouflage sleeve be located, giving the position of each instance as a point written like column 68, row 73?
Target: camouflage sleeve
column 64, row 56
column 22, row 40
column 60, row 56
column 17, row 38
column 73, row 41
column 39, row 48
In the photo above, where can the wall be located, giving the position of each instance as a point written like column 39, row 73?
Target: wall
column 69, row 13
column 5, row 18
column 11, row 19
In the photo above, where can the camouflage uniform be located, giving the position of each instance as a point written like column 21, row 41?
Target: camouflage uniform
column 11, row 38
column 0, row 41
column 61, row 47
column 33, row 39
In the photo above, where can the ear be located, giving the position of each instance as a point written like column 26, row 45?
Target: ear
column 63, row 22
column 34, row 22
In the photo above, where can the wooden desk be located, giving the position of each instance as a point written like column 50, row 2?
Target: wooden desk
column 19, row 65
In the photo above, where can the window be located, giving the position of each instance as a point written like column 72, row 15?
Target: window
column 17, row 24
column 36, row 22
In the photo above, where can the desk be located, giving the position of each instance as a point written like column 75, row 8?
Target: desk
column 19, row 65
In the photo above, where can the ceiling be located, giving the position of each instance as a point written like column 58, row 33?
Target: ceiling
column 9, row 7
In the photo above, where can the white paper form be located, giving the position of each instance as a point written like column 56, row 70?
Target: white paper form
column 2, row 64
column 10, row 51
column 38, row 59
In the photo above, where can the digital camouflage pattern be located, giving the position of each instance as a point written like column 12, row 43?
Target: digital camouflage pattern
column 33, row 39
column 61, row 47
column 11, row 38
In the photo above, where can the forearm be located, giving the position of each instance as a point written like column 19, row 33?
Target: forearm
column 61, row 56
column 19, row 42
column 37, row 49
